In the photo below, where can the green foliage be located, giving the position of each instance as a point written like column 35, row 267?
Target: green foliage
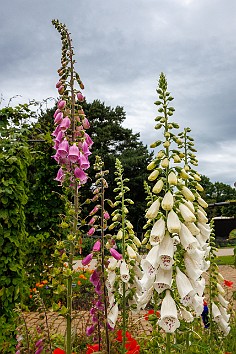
column 14, row 160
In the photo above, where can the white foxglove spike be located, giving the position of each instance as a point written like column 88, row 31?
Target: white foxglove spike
column 112, row 316
column 222, row 300
column 186, row 315
column 157, row 232
column 216, row 312
column 187, row 193
column 158, row 186
column 184, row 287
column 189, row 204
column 163, row 280
column 131, row 253
column 192, row 228
column 168, row 201
column 124, row 272
column 169, row 318
column 187, row 215
column 153, row 210
column 192, row 267
column 197, row 305
column 188, row 241
column 166, row 252
column 173, row 222
column 201, row 217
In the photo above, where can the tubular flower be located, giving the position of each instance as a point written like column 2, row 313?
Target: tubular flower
column 131, row 253
column 115, row 254
column 153, row 210
column 166, row 252
column 187, row 193
column 186, row 213
column 184, row 287
column 168, row 201
column 188, row 241
column 172, row 178
column 163, row 280
column 169, row 320
column 173, row 222
column 157, row 232
column 112, row 316
column 124, row 272
column 158, row 186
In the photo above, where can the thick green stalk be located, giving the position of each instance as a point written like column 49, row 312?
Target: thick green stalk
column 123, row 256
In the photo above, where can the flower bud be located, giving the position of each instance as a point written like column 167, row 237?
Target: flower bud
column 165, row 162
column 151, row 166
column 168, row 201
column 153, row 175
column 158, row 186
column 187, row 193
column 173, row 222
column 131, row 253
column 187, row 215
column 172, row 178
column 153, row 210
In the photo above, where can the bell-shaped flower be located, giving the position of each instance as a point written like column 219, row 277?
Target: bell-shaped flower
column 224, row 326
column 172, row 178
column 157, row 232
column 201, row 216
column 166, row 252
column 87, row 259
column 188, row 241
column 221, row 291
column 198, row 285
column 184, row 287
column 81, row 175
column 59, row 137
column 163, row 280
column 152, row 256
column 187, row 215
column 58, row 118
column 112, row 316
column 85, row 149
column 110, row 281
column 153, row 175
column 222, row 301
column 216, row 312
column 144, row 299
column 169, row 319
column 124, row 272
column 224, row 313
column 192, row 228
column 201, row 240
column 61, row 104
column 60, row 175
column 186, row 315
column 86, row 123
column 153, row 209
column 158, row 186
column 63, row 148
column 97, row 246
column 165, row 162
column 187, row 194
column 131, row 253
column 65, row 124
column 115, row 254
column 56, row 111
column 80, row 97
column 192, row 267
column 168, row 201
column 173, row 222
column 84, row 162
column 148, row 278
column 197, row 304
column 112, row 263
column 205, row 230
column 190, row 205
column 202, row 202
column 88, row 140
column 74, row 153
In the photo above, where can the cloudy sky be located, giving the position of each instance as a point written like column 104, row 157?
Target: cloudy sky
column 121, row 48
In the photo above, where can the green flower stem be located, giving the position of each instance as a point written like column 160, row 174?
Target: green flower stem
column 123, row 256
column 103, row 267
column 167, row 343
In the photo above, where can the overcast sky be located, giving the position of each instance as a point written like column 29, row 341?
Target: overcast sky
column 121, row 47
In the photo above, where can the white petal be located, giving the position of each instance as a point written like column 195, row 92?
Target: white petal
column 124, row 272
column 169, row 317
column 153, row 209
column 186, row 213
column 163, row 280
column 183, row 284
column 188, row 241
column 166, row 252
column 112, row 316
column 197, row 305
column 192, row 267
column 157, row 232
column 186, row 315
column 173, row 222
column 222, row 300
column 216, row 312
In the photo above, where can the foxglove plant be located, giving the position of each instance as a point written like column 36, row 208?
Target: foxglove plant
column 99, row 310
column 72, row 145
column 123, row 271
column 177, row 230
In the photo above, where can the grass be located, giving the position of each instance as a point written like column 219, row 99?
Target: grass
column 225, row 260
